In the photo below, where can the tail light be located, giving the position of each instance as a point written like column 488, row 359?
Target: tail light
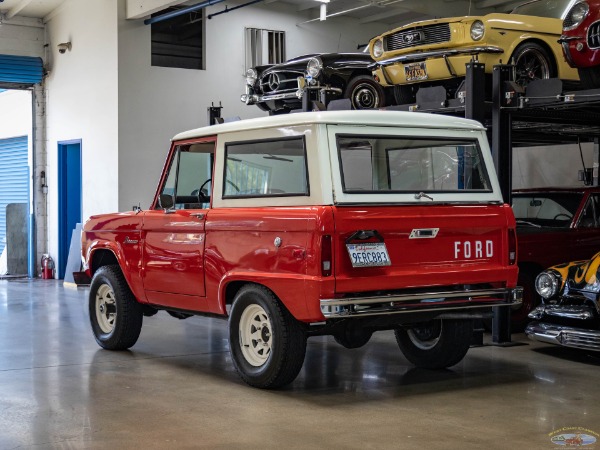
column 512, row 246
column 326, row 254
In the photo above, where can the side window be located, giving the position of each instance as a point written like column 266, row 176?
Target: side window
column 189, row 181
column 590, row 218
column 264, row 47
column 266, row 168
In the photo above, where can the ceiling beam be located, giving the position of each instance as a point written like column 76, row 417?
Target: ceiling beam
column 17, row 8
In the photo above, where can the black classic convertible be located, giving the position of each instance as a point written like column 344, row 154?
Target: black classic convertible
column 279, row 88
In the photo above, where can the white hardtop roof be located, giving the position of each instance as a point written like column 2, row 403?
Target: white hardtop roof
column 378, row 118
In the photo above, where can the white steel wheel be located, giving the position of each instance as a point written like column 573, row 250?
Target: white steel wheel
column 425, row 337
column 256, row 335
column 106, row 309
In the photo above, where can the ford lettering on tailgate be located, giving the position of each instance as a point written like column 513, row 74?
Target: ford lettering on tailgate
column 473, row 249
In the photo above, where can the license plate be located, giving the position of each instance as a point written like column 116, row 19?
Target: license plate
column 371, row 254
column 415, row 71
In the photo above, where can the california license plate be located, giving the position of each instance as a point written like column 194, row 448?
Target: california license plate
column 415, row 71
column 372, row 254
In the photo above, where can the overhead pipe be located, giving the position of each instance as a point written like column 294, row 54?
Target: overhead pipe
column 226, row 10
column 182, row 11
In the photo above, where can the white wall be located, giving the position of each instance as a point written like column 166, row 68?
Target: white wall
column 81, row 103
column 15, row 114
column 155, row 103
column 555, row 165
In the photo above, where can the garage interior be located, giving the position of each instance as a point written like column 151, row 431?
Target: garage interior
column 102, row 104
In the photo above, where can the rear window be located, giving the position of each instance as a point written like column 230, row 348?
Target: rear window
column 406, row 164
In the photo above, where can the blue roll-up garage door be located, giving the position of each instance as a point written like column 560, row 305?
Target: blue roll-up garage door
column 20, row 70
column 14, row 177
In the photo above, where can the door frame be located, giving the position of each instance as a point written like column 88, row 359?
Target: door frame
column 64, row 235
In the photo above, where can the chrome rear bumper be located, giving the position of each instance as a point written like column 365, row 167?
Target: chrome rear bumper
column 421, row 302
column 565, row 336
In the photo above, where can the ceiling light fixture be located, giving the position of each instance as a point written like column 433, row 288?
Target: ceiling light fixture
column 323, row 9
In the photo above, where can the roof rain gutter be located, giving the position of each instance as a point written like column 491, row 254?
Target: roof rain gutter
column 181, row 11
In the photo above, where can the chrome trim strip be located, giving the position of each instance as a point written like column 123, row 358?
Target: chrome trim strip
column 569, row 312
column 564, row 336
column 435, row 301
column 437, row 54
column 264, row 98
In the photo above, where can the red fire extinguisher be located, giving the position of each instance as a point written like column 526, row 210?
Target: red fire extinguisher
column 47, row 267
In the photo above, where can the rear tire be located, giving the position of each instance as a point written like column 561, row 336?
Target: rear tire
column 405, row 94
column 590, row 77
column 436, row 344
column 365, row 93
column 266, row 342
column 115, row 315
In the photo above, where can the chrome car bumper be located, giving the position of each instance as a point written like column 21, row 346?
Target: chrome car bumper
column 249, row 98
column 421, row 302
column 445, row 53
column 565, row 336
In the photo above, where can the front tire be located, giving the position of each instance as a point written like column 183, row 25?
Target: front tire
column 365, row 93
column 266, row 342
column 436, row 344
column 115, row 315
column 532, row 62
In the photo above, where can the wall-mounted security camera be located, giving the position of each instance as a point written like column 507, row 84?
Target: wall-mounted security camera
column 62, row 48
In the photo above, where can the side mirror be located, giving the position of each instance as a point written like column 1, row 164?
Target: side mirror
column 166, row 201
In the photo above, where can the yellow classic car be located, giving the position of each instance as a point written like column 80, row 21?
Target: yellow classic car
column 435, row 52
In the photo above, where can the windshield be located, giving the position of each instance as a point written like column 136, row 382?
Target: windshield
column 407, row 164
column 556, row 9
column 546, row 209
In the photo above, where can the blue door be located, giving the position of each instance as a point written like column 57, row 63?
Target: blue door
column 69, row 198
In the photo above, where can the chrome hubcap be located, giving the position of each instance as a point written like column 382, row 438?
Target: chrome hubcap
column 365, row 97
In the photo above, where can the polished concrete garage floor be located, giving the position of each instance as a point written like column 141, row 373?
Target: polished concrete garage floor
column 177, row 388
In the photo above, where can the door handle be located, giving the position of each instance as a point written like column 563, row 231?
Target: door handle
column 198, row 215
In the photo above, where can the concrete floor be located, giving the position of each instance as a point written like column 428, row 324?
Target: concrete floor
column 177, row 388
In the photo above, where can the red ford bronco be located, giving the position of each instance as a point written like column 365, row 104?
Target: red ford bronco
column 337, row 223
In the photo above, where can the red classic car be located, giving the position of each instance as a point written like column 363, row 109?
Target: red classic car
column 581, row 41
column 554, row 225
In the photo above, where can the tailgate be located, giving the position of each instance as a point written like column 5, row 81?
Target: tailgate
column 433, row 245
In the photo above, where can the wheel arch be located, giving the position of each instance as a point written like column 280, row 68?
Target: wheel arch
column 542, row 43
column 102, row 257
column 289, row 290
